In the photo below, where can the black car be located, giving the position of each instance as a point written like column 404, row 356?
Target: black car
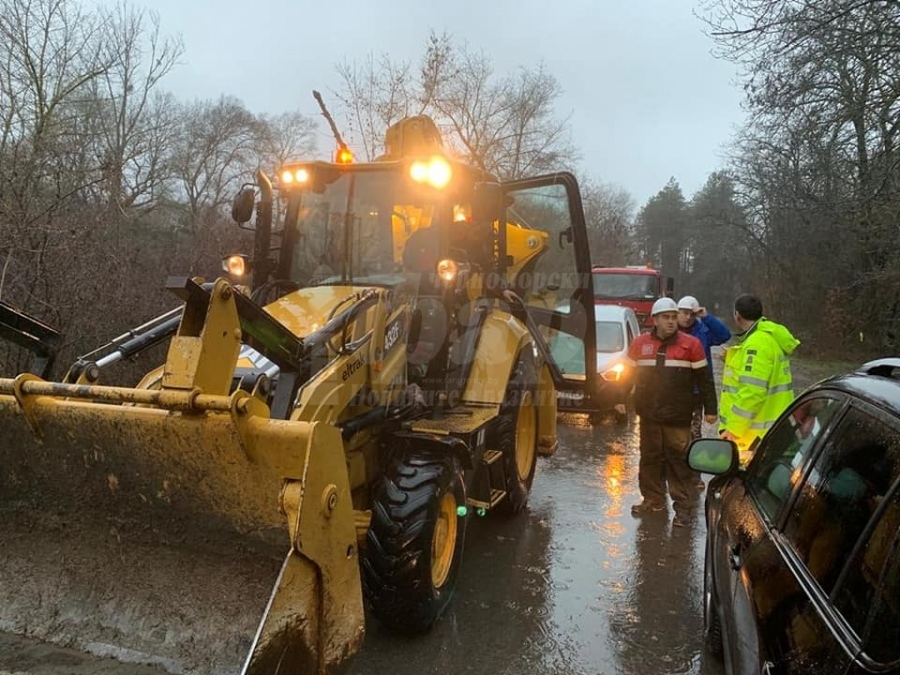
column 802, row 570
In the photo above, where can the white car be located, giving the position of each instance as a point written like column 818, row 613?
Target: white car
column 617, row 327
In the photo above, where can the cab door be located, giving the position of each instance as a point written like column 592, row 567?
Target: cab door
column 545, row 252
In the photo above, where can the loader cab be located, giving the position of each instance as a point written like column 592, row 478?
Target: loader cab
column 373, row 223
column 430, row 226
column 403, row 225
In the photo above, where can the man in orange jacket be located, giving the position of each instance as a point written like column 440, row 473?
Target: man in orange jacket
column 669, row 366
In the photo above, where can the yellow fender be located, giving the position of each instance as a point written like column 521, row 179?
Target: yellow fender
column 502, row 339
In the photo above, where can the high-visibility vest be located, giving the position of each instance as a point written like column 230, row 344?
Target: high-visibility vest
column 756, row 383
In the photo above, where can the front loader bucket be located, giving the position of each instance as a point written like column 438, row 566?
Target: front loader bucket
column 160, row 525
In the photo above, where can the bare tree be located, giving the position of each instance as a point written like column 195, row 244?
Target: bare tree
column 49, row 53
column 75, row 90
column 818, row 164
column 217, row 147
column 610, row 214
column 506, row 124
column 286, row 136
column 131, row 123
column 374, row 95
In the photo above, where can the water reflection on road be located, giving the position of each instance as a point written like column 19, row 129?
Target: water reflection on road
column 574, row 585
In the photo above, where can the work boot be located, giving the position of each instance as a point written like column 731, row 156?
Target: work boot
column 647, row 507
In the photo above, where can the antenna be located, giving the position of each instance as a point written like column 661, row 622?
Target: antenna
column 344, row 155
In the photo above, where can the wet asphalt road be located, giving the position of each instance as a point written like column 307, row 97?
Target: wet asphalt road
column 574, row 585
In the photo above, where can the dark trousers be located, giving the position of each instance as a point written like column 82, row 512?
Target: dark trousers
column 697, row 423
column 697, row 419
column 664, row 462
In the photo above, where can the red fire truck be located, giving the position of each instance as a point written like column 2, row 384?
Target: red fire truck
column 635, row 286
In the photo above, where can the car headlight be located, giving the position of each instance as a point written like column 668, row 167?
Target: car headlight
column 615, row 373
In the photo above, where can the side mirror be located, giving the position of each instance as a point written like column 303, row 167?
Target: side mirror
column 670, row 287
column 713, row 455
column 565, row 236
column 242, row 205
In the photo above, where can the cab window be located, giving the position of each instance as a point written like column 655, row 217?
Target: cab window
column 542, row 263
column 780, row 459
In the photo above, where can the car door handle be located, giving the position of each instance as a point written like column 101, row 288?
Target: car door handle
column 734, row 557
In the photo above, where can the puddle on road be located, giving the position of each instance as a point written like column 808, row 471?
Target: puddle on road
column 625, row 591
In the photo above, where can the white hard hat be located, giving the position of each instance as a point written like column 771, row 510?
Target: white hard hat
column 663, row 305
column 689, row 302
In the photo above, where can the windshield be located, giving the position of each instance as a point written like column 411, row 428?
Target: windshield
column 610, row 337
column 357, row 227
column 625, row 286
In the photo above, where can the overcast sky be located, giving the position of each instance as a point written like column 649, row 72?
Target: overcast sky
column 647, row 100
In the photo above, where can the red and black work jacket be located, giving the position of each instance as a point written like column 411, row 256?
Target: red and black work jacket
column 667, row 373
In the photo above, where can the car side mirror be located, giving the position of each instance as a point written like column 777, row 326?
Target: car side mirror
column 717, row 456
column 565, row 236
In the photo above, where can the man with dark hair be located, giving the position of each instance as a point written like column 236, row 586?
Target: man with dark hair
column 749, row 307
column 756, row 383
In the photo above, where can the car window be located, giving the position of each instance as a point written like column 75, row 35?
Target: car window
column 610, row 338
column 882, row 639
column 779, row 460
column 848, row 480
column 868, row 594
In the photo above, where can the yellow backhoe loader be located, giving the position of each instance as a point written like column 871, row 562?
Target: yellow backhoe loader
column 329, row 416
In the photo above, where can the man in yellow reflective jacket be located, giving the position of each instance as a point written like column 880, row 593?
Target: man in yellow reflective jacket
column 756, row 384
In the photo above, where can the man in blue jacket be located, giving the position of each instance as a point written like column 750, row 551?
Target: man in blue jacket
column 695, row 320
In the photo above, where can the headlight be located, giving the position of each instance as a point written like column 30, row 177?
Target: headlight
column 447, row 270
column 289, row 176
column 236, row 265
column 614, row 374
column 436, row 172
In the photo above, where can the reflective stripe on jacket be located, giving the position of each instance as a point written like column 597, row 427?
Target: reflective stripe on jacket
column 666, row 375
column 756, row 383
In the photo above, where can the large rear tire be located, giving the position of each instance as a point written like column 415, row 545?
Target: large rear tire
column 415, row 541
column 516, row 435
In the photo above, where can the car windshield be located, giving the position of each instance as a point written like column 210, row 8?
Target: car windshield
column 357, row 225
column 625, row 286
column 610, row 337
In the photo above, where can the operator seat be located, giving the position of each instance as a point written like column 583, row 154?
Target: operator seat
column 420, row 255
